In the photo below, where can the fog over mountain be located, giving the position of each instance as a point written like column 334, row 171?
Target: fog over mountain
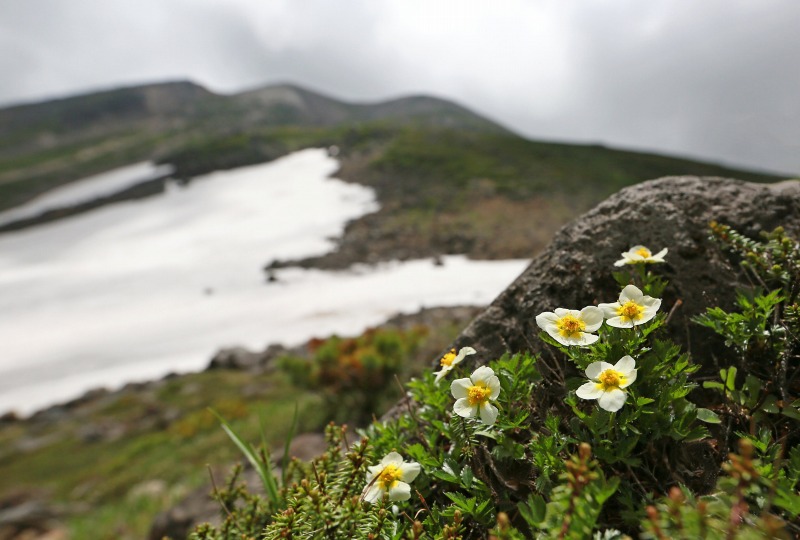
column 716, row 80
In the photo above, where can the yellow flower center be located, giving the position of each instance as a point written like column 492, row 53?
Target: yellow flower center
column 447, row 359
column 630, row 310
column 570, row 326
column 389, row 476
column 478, row 394
column 610, row 379
column 643, row 252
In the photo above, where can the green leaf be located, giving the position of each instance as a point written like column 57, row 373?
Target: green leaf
column 466, row 477
column 447, row 477
column 708, row 416
column 465, row 504
column 788, row 501
column 696, row 433
column 792, row 412
column 729, row 376
column 533, row 510
column 289, row 437
column 607, row 490
column 262, row 466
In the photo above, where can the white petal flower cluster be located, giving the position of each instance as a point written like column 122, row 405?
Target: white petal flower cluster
column 606, row 383
column 632, row 309
column 641, row 255
column 570, row 326
column 473, row 395
column 392, row 476
column 451, row 360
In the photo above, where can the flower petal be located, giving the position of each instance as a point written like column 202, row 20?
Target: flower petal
column 558, row 337
column 392, row 458
column 586, row 339
column 651, row 308
column 462, row 408
column 373, row 471
column 372, row 493
column 613, row 400
column 581, row 340
column 400, row 492
column 482, row 374
column 610, row 310
column 629, row 379
column 488, row 413
column 631, row 292
column 494, row 385
column 460, row 387
column 619, row 322
column 625, row 364
column 594, row 369
column 409, row 471
column 462, row 354
column 548, row 318
column 593, row 317
column 589, row 390
column 660, row 255
column 441, row 373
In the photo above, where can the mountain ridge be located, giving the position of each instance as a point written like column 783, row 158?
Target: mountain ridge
column 186, row 99
column 448, row 180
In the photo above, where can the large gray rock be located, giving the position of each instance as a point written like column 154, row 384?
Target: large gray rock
column 673, row 212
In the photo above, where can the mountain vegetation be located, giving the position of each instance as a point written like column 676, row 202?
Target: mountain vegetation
column 447, row 179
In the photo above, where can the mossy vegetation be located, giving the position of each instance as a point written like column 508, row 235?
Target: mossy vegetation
column 628, row 453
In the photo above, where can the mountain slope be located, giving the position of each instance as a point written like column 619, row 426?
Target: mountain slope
column 447, row 179
column 43, row 145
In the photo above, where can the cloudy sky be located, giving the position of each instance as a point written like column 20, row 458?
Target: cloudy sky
column 715, row 79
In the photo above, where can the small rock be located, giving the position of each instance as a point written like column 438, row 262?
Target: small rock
column 11, row 417
column 150, row 489
column 26, row 518
column 234, row 358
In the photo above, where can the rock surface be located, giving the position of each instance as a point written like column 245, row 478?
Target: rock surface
column 673, row 212
column 27, row 516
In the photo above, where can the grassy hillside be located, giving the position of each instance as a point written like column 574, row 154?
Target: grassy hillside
column 109, row 462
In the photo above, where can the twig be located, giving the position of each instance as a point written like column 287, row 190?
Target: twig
column 678, row 303
column 215, row 490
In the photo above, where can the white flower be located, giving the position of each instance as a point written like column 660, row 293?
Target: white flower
column 607, row 382
column 450, row 360
column 570, row 326
column 633, row 308
column 639, row 255
column 391, row 476
column 473, row 395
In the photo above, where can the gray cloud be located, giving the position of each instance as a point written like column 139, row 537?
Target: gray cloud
column 716, row 79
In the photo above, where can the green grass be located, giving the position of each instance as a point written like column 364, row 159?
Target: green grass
column 101, row 474
column 446, row 161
